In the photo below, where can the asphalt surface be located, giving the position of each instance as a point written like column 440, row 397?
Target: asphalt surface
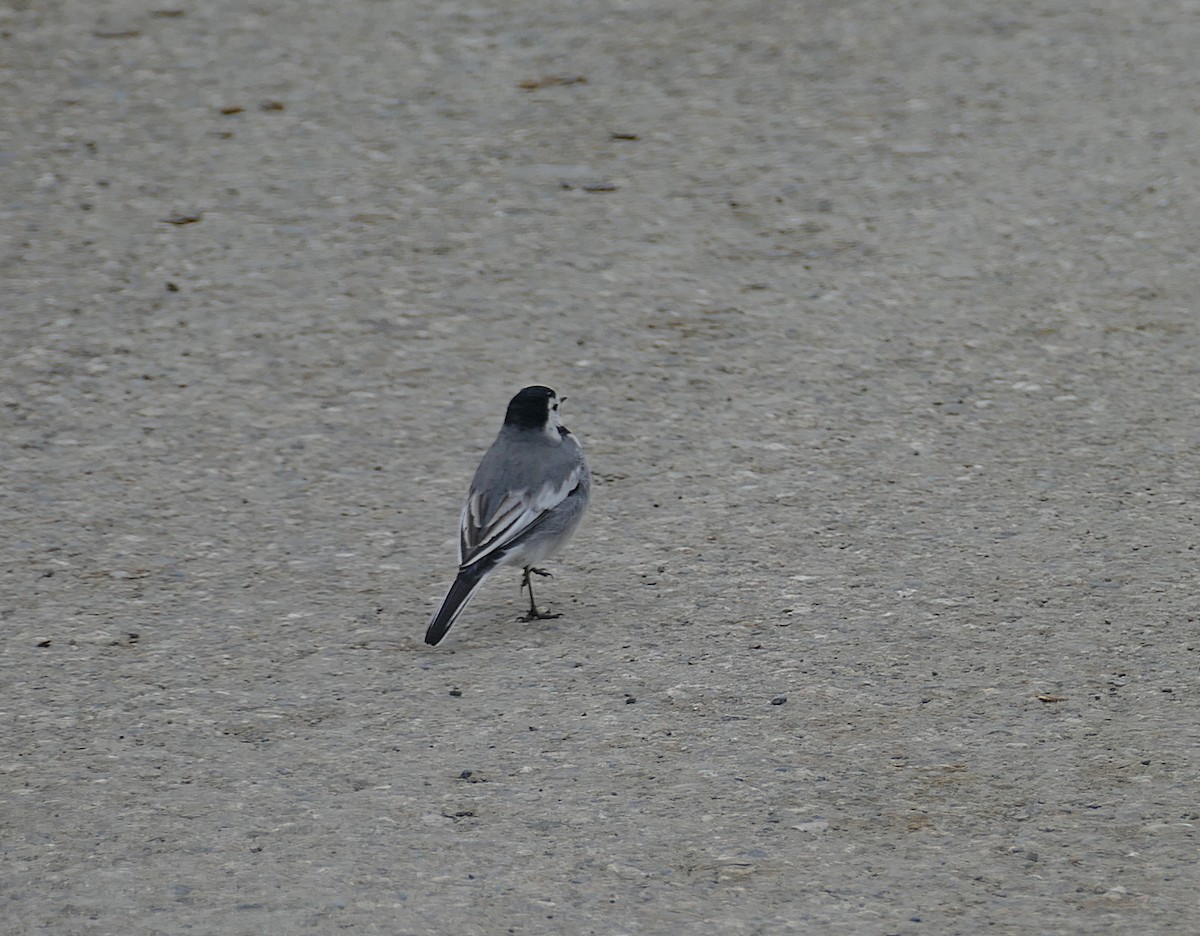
column 878, row 323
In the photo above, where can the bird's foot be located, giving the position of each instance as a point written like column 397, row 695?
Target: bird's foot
column 530, row 570
column 533, row 614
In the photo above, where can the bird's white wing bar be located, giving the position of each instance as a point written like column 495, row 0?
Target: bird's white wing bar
column 478, row 533
column 516, row 512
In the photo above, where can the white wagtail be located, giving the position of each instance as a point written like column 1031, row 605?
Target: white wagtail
column 528, row 496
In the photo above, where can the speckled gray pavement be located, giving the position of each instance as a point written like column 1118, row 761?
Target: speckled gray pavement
column 879, row 323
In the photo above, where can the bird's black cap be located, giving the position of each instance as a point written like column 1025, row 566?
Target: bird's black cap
column 528, row 409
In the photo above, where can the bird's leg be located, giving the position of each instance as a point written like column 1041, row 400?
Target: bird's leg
column 534, row 614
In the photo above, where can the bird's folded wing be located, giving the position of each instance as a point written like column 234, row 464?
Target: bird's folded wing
column 486, row 528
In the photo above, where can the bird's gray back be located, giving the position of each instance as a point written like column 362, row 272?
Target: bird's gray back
column 525, row 460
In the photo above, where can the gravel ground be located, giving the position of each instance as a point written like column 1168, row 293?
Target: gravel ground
column 877, row 322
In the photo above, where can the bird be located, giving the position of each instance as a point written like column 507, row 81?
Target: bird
column 526, row 500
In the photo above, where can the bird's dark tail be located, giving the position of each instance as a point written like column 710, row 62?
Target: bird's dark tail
column 462, row 591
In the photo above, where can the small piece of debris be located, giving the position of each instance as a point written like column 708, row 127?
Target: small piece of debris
column 43, row 643
column 779, row 700
column 617, row 135
column 232, row 109
column 456, row 692
column 1052, row 698
column 550, row 81
column 181, row 219
column 599, row 187
column 271, row 106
